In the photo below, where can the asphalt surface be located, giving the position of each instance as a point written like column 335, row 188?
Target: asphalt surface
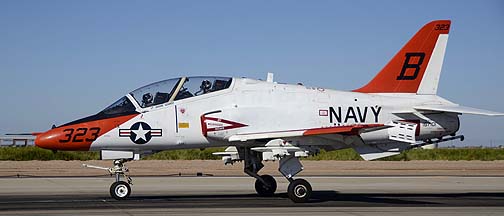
column 391, row 195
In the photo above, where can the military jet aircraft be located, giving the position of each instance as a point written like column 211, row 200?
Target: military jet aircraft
column 264, row 120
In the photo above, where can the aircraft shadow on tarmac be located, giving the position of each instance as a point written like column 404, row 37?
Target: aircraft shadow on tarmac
column 330, row 198
column 319, row 199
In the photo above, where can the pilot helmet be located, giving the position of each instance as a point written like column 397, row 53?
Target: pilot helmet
column 206, row 85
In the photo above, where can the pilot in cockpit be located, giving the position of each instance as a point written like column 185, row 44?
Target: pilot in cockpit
column 147, row 99
column 205, row 87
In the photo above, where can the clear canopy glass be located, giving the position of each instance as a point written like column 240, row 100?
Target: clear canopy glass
column 185, row 87
column 122, row 105
column 195, row 86
column 155, row 93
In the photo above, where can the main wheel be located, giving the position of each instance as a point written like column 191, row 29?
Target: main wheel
column 263, row 189
column 299, row 191
column 120, row 190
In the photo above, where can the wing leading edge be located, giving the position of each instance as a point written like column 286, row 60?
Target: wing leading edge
column 457, row 109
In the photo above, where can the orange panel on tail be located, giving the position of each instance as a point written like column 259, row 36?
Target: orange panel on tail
column 405, row 71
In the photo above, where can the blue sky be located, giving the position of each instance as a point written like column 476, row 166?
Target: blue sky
column 62, row 60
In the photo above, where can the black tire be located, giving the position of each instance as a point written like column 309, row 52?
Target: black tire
column 120, row 190
column 299, row 191
column 265, row 190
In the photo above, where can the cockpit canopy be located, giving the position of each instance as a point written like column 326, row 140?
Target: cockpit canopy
column 159, row 93
column 166, row 91
column 177, row 89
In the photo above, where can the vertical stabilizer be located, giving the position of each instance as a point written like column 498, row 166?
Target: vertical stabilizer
column 416, row 68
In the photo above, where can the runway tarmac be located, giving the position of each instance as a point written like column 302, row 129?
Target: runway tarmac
column 374, row 195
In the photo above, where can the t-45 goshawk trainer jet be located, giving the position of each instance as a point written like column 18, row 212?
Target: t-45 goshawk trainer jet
column 264, row 120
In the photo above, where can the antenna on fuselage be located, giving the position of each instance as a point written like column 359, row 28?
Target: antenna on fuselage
column 269, row 78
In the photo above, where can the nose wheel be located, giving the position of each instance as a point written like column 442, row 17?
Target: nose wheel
column 120, row 190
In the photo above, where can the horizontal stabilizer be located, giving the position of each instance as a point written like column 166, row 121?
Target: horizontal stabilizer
column 24, row 134
column 458, row 109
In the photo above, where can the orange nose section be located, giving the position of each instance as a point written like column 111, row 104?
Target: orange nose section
column 42, row 141
column 62, row 139
column 80, row 136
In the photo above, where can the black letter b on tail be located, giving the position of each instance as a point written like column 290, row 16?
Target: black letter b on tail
column 415, row 66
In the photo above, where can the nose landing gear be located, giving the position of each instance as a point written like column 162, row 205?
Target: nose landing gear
column 119, row 190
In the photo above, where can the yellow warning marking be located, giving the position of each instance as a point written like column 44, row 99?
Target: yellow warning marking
column 183, row 125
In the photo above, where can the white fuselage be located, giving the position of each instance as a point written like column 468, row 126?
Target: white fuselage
column 266, row 107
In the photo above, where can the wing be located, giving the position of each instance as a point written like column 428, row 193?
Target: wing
column 301, row 142
column 277, row 148
column 344, row 130
column 457, row 109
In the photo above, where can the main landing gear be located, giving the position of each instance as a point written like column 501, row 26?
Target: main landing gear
column 299, row 190
column 119, row 190
column 265, row 185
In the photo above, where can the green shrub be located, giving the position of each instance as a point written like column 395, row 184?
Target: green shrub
column 35, row 153
column 188, row 154
column 344, row 154
column 450, row 154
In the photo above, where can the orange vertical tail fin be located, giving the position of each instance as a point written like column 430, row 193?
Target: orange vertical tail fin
column 417, row 66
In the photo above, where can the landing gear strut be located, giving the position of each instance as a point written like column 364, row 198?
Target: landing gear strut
column 119, row 190
column 299, row 190
column 265, row 185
